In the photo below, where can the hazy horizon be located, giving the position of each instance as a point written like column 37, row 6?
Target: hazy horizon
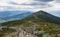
column 50, row 6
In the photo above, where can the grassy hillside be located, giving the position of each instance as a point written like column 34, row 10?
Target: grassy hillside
column 38, row 21
column 6, row 31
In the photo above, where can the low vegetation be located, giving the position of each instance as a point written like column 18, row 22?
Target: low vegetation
column 6, row 31
column 41, row 20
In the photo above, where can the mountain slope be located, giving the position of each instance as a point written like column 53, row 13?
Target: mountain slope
column 43, row 16
column 36, row 22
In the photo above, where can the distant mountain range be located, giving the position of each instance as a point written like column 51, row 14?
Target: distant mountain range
column 18, row 16
column 4, row 14
column 12, row 15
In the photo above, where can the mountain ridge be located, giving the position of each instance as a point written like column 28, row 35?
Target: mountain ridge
column 45, row 16
column 37, row 23
column 39, row 16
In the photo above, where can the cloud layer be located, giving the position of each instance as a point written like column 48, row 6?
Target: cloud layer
column 36, row 5
column 45, row 0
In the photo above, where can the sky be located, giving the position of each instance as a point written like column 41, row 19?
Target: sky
column 30, row 5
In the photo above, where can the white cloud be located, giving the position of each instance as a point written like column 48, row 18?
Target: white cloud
column 55, row 6
column 5, row 5
column 17, row 5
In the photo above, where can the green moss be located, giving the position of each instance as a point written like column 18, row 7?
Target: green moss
column 6, row 30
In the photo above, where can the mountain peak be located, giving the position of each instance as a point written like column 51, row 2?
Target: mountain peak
column 44, row 16
column 41, row 12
